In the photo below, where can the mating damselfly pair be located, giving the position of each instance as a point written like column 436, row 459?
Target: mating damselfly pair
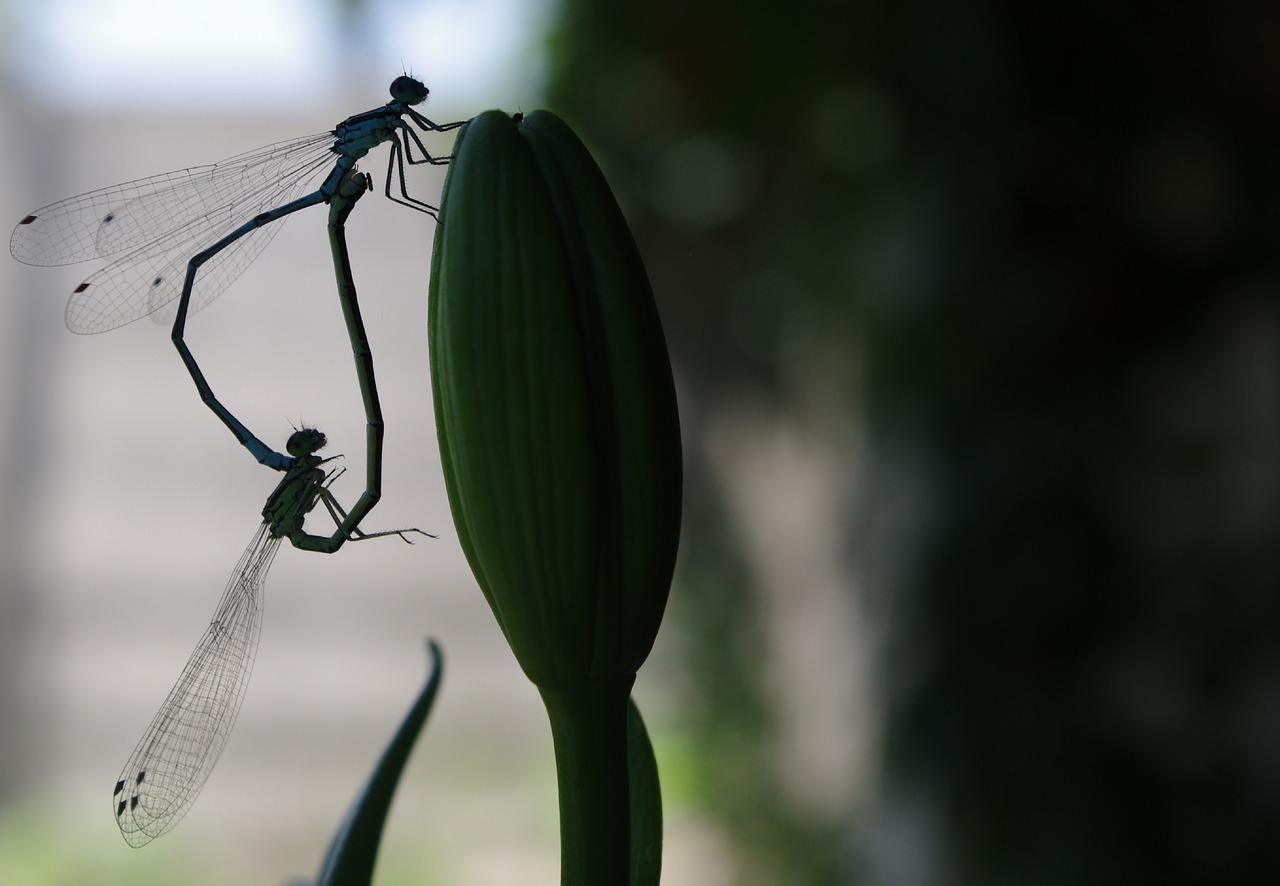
column 159, row 235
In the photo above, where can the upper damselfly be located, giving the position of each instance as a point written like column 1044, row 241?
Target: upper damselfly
column 158, row 233
column 153, row 229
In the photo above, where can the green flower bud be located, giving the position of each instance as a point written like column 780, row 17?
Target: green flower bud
column 554, row 401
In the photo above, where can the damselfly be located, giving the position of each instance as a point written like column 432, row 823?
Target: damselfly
column 174, row 758
column 199, row 220
column 178, row 751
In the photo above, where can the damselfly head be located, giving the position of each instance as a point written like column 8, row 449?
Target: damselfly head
column 408, row 90
column 304, row 442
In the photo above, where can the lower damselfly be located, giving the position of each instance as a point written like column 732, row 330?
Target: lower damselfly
column 177, row 753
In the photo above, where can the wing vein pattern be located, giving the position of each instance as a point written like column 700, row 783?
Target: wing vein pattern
column 173, row 760
column 151, row 228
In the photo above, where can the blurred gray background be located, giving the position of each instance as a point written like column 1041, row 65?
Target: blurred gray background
column 127, row 504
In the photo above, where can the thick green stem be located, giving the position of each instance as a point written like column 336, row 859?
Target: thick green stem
column 589, row 728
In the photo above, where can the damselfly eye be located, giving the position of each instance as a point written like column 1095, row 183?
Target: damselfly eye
column 408, row 90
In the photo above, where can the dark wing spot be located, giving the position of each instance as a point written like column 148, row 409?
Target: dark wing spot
column 133, row 802
column 108, row 218
column 28, row 220
column 142, row 776
column 82, row 287
column 119, row 787
column 157, row 281
column 120, row 808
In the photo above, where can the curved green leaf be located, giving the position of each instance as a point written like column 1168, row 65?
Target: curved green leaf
column 353, row 852
column 646, row 802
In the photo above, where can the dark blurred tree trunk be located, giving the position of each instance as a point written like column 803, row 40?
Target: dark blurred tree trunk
column 1035, row 246
column 1096, row 388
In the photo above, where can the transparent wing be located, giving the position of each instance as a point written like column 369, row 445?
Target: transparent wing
column 150, row 278
column 155, row 225
column 112, row 220
column 174, row 758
